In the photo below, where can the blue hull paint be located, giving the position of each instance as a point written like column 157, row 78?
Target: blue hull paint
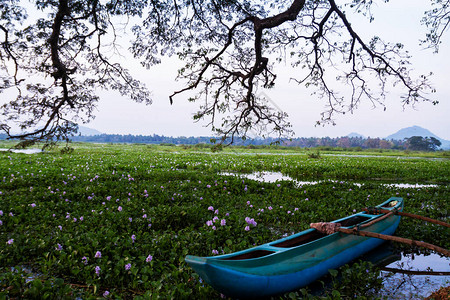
column 236, row 283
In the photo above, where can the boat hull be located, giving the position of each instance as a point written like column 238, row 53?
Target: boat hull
column 289, row 268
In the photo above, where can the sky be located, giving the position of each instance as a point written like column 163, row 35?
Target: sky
column 395, row 21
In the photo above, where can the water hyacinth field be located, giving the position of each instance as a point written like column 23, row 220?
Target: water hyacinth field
column 116, row 221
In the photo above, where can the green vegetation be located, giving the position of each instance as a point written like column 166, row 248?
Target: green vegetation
column 423, row 143
column 119, row 219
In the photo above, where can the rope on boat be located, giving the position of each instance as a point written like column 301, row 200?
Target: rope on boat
column 330, row 228
column 377, row 210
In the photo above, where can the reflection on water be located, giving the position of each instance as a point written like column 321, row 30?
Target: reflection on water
column 408, row 276
column 25, row 151
column 408, row 284
column 267, row 176
column 405, row 276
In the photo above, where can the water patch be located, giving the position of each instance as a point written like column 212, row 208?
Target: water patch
column 414, row 186
column 262, row 176
column 29, row 274
column 25, row 151
column 267, row 176
column 415, row 276
column 384, row 156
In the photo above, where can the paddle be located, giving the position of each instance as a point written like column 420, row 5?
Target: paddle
column 329, row 228
column 375, row 210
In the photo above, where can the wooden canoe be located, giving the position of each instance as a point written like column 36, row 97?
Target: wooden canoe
column 293, row 262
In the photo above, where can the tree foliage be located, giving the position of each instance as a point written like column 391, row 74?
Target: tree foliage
column 56, row 54
column 420, row 143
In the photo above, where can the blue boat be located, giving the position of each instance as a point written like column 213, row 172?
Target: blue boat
column 293, row 262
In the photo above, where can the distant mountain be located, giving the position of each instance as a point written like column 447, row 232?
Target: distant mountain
column 355, row 134
column 417, row 131
column 86, row 131
column 411, row 131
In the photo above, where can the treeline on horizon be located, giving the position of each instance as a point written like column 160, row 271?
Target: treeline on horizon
column 344, row 142
column 303, row 142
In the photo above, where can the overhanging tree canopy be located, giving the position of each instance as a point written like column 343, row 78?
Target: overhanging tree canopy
column 56, row 54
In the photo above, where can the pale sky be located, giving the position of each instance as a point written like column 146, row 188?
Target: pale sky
column 399, row 22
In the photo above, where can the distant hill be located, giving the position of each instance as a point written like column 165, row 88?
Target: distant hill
column 86, row 131
column 355, row 134
column 411, row 131
column 417, row 131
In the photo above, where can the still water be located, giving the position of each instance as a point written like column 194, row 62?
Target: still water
column 267, row 176
column 25, row 151
column 415, row 276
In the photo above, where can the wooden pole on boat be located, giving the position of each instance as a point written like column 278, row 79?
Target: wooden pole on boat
column 405, row 214
column 330, row 228
column 412, row 272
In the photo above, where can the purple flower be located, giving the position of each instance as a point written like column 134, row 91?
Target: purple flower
column 106, row 294
column 127, row 267
column 247, row 228
column 1, row 223
column 215, row 251
column 84, row 260
column 9, row 242
column 108, row 198
column 210, row 208
column 59, row 247
column 33, row 205
column 119, row 208
column 223, row 222
column 1, row 212
column 250, row 221
column 209, row 223
column 60, row 227
column 133, row 237
column 130, row 219
column 97, row 270
column 149, row 258
column 98, row 254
